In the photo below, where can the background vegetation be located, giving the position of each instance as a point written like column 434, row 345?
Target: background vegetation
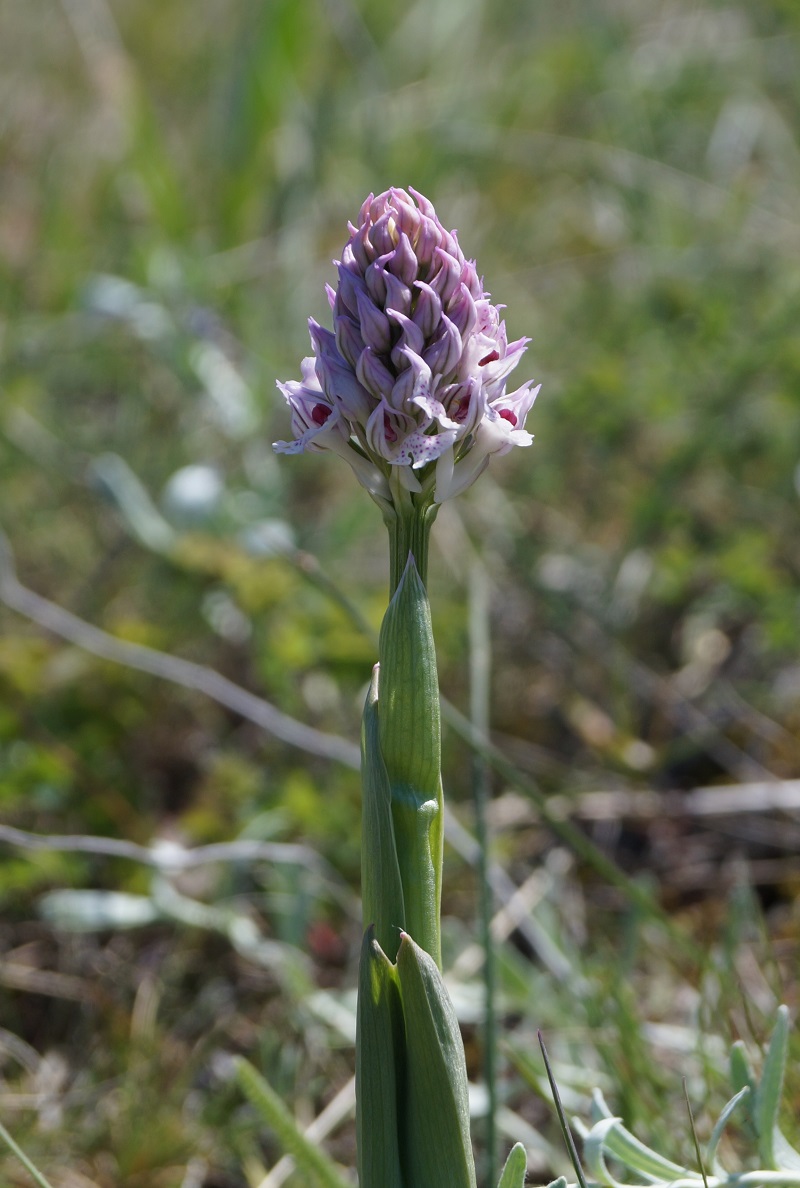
column 175, row 181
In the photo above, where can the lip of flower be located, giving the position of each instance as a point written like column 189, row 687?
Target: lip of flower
column 510, row 412
column 319, row 426
column 395, row 436
column 312, row 415
column 497, row 367
column 414, row 373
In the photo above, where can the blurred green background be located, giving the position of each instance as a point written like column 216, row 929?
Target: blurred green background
column 174, row 182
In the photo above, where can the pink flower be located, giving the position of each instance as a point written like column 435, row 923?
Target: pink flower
column 410, row 387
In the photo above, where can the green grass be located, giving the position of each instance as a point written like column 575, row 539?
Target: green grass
column 628, row 179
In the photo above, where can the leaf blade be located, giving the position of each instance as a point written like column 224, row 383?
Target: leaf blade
column 379, row 1060
column 436, row 1144
column 513, row 1173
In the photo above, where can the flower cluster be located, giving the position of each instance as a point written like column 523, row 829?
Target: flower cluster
column 411, row 385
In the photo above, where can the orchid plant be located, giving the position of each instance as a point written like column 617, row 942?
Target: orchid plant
column 410, row 389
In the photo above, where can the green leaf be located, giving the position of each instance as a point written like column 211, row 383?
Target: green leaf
column 742, row 1078
column 640, row 1158
column 768, row 1093
column 308, row 1156
column 594, row 1148
column 625, row 1147
column 741, row 1073
column 410, row 730
column 410, row 741
column 513, row 1175
column 381, row 886
column 436, row 1146
column 379, row 1062
column 719, row 1128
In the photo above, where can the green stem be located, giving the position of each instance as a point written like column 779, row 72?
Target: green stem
column 409, row 523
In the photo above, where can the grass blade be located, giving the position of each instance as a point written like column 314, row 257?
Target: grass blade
column 307, row 1155
column 562, row 1118
column 695, row 1139
column 23, row 1158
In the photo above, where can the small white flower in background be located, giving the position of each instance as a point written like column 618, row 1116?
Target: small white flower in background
column 411, row 384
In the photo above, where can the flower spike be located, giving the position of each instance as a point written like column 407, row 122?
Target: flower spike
column 410, row 387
